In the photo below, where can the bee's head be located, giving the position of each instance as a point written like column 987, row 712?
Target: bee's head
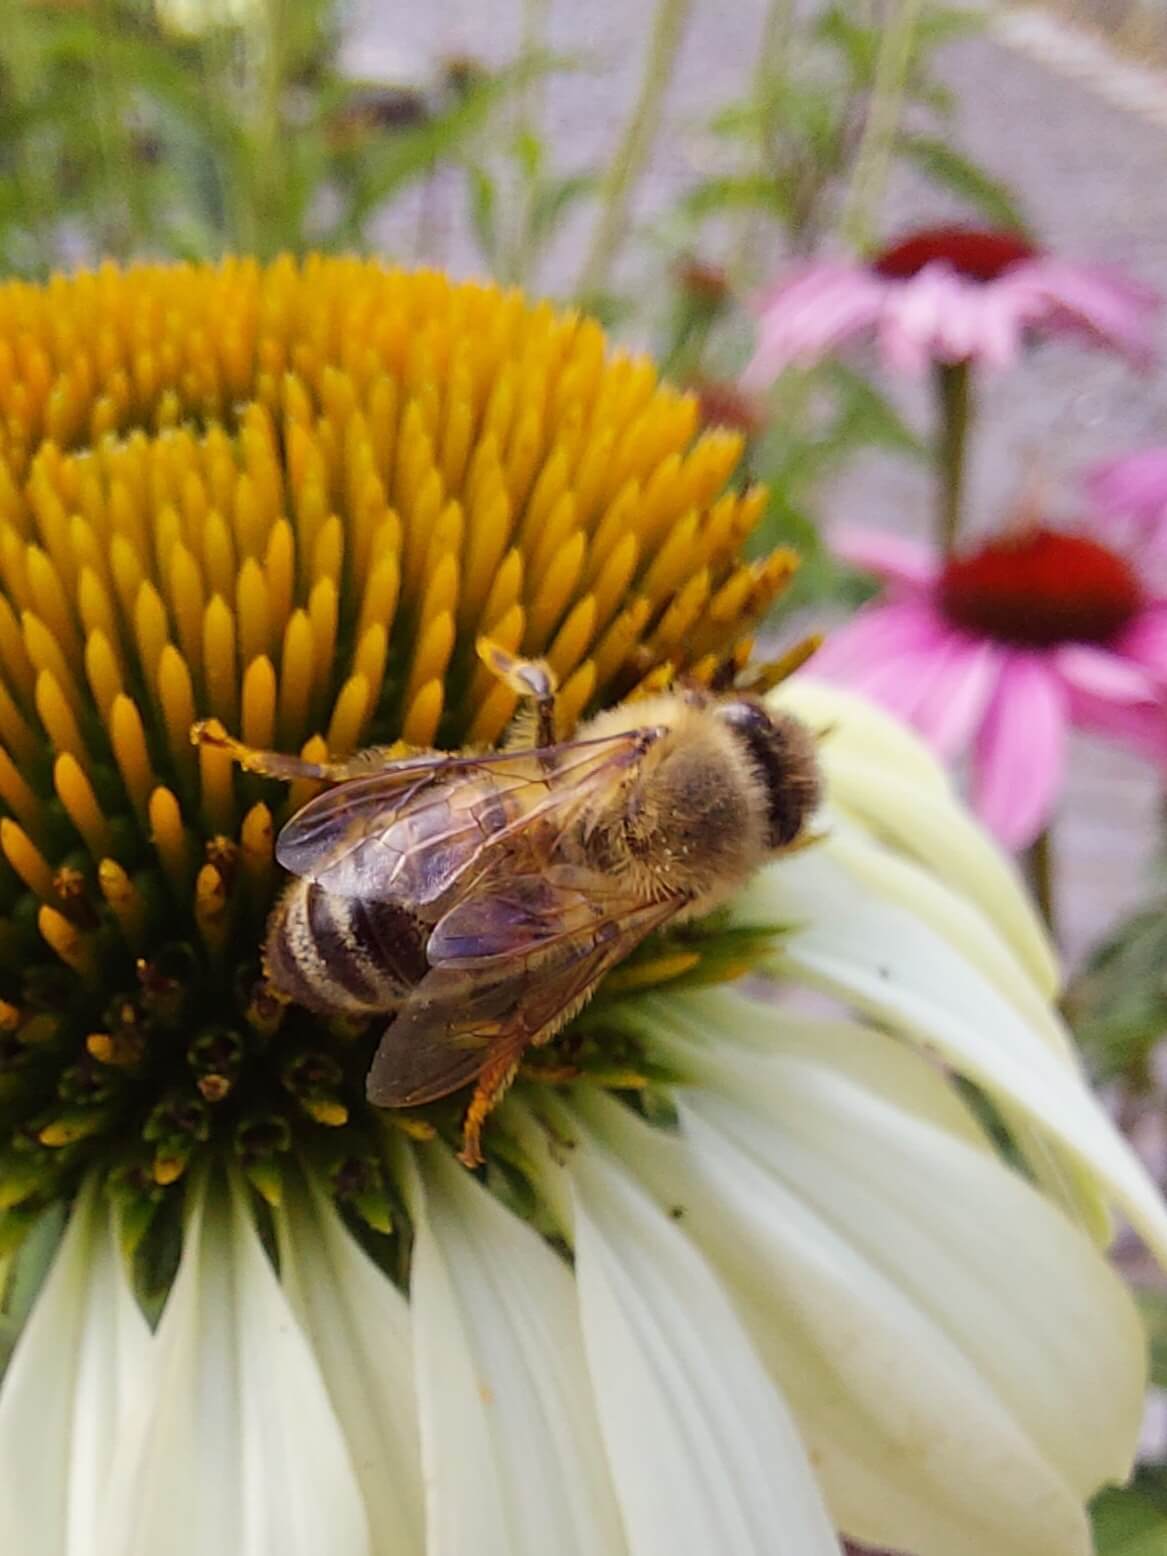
column 783, row 754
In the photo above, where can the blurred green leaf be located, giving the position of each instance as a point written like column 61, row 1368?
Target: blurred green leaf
column 1153, row 1307
column 412, row 153
column 529, row 154
column 482, row 210
column 1117, row 1005
column 947, row 167
column 866, row 417
column 857, row 44
column 940, row 24
column 1132, row 1520
column 554, row 197
column 736, row 191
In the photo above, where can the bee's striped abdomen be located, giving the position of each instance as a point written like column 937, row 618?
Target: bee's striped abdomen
column 333, row 953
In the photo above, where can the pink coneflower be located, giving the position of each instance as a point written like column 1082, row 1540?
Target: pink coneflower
column 1132, row 490
column 1001, row 649
column 947, row 295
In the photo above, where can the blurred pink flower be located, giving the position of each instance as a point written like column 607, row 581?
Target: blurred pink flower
column 1002, row 648
column 948, row 294
column 1133, row 491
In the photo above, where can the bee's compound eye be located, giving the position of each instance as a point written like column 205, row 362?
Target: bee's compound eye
column 745, row 716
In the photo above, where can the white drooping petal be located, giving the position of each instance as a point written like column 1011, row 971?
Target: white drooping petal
column 853, row 726
column 514, row 1464
column 965, row 1367
column 895, row 878
column 359, row 1327
column 233, row 1445
column 702, row 1447
column 79, row 1359
column 889, row 963
column 883, row 776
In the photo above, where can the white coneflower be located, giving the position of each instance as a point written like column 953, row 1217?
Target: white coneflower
column 766, row 1271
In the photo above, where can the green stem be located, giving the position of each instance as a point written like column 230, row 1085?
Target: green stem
column 515, row 264
column 954, row 396
column 33, row 166
column 773, row 41
column 877, row 144
column 125, row 216
column 1039, row 867
column 668, row 28
column 270, row 173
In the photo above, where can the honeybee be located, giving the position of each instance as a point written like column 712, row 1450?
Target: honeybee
column 478, row 898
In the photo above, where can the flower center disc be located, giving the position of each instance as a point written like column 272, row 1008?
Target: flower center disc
column 1039, row 588
column 979, row 256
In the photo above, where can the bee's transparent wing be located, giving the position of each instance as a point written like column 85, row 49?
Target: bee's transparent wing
column 408, row 833
column 510, row 967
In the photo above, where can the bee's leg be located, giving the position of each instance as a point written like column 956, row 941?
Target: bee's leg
column 493, row 1081
column 274, row 764
column 533, row 680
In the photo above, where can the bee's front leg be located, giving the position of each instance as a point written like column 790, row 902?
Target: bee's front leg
column 532, row 679
column 275, row 764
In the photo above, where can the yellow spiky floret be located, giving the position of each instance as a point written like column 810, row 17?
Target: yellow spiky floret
column 291, row 497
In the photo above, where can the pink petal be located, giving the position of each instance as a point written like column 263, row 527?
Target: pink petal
column 955, row 703
column 902, row 683
column 1145, row 642
column 1134, row 485
column 1109, row 307
column 1019, row 755
column 1097, row 673
column 1001, row 330
column 912, row 321
column 1141, row 727
column 874, row 634
column 809, row 314
column 894, row 558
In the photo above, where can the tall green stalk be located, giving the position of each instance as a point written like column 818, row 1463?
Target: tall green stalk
column 515, row 259
column 773, row 41
column 33, row 171
column 877, row 144
column 1039, row 867
column 954, row 399
column 270, row 170
column 668, row 29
